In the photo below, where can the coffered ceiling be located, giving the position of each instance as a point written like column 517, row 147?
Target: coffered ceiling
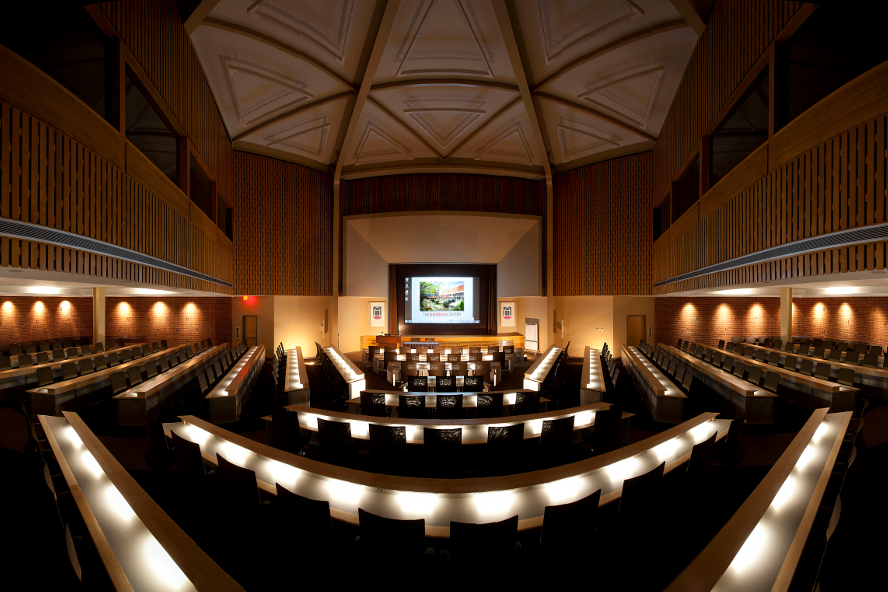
column 514, row 87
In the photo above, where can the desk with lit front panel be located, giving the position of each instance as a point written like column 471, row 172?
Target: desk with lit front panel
column 447, row 341
column 78, row 393
column 392, row 397
column 226, row 400
column 350, row 373
column 662, row 397
column 592, row 385
column 539, row 370
column 296, row 384
column 140, row 546
column 159, row 393
column 760, row 547
column 441, row 501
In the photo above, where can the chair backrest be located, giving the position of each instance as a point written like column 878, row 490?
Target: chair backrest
column 442, row 449
column 31, row 349
column 203, row 344
column 557, row 435
column 25, row 360
column 99, row 347
column 373, row 404
column 5, row 364
column 488, row 544
column 730, row 346
column 807, row 367
column 125, row 355
column 163, row 363
column 163, row 344
column 739, row 368
column 411, row 406
column 526, row 403
column 679, row 374
column 772, row 381
column 155, row 347
column 638, row 499
column 44, row 346
column 846, row 376
column 482, row 369
column 489, row 405
column 43, row 358
column 404, row 539
column 671, row 370
column 774, row 359
column 567, row 528
column 151, row 369
column 58, row 355
column 118, row 382
column 86, row 366
column 503, row 440
column 189, row 462
column 437, row 369
column 239, row 486
column 699, row 467
column 209, row 342
column 44, row 376
column 760, row 355
column 473, row 384
column 86, row 350
column 872, row 357
column 310, row 518
column 417, row 383
column 69, row 371
column 445, row 384
column 822, row 371
column 388, row 445
column 137, row 352
column 335, row 438
column 790, row 363
column 458, row 368
column 721, row 345
column 211, row 376
column 835, row 354
column 449, row 407
column 205, row 386
column 218, row 368
column 687, row 379
column 15, row 350
column 819, row 352
column 134, row 374
column 120, row 343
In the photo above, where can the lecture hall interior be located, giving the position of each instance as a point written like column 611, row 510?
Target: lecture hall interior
column 303, row 293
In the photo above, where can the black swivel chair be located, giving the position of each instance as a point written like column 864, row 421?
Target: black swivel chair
column 442, row 453
column 568, row 533
column 503, row 446
column 373, row 404
column 404, row 539
column 490, row 405
column 449, row 407
column 388, row 449
column 411, row 406
column 475, row 545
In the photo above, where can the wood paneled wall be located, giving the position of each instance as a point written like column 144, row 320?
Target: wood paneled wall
column 50, row 179
column 153, row 32
column 445, row 192
column 283, row 228
column 737, row 35
column 603, row 227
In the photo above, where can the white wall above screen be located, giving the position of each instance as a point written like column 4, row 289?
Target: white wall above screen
column 372, row 243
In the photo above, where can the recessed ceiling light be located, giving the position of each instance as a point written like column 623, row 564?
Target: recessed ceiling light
column 737, row 292
column 842, row 290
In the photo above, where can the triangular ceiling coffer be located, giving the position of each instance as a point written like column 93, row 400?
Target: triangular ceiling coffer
column 445, row 44
column 576, row 142
column 628, row 95
column 309, row 137
column 331, row 39
column 444, row 125
column 508, row 146
column 258, row 92
column 377, row 146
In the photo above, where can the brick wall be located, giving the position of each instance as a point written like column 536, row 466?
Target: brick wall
column 35, row 318
column 177, row 319
column 706, row 320
column 848, row 319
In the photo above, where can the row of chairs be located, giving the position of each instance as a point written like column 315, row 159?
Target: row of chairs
column 209, row 378
column 446, row 384
column 806, row 366
column 870, row 359
column 45, row 345
column 450, row 406
column 46, row 376
column 858, row 348
column 334, row 388
column 568, row 533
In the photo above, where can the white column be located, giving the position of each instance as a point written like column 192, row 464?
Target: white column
column 98, row 315
column 785, row 314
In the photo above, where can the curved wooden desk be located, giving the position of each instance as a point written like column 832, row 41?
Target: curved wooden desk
column 140, row 546
column 392, row 397
column 662, row 397
column 474, row 431
column 296, row 378
column 441, row 501
column 158, row 393
column 740, row 397
column 54, row 398
column 592, row 385
column 539, row 370
column 760, row 546
column 227, row 398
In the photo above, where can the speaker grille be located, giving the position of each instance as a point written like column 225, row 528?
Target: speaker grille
column 50, row 236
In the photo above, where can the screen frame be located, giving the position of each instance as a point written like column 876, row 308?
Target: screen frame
column 486, row 296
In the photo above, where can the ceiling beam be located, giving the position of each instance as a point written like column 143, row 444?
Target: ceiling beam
column 614, row 45
column 692, row 13
column 492, row 84
column 402, row 124
column 595, row 113
column 506, row 27
column 380, row 38
column 278, row 45
column 291, row 113
column 483, row 126
column 200, row 12
column 423, row 165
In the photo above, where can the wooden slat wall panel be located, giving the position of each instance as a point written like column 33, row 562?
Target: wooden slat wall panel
column 154, row 33
column 283, row 228
column 47, row 178
column 603, row 227
column 444, row 192
column 736, row 36
column 836, row 185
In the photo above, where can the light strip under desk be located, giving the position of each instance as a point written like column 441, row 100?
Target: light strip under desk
column 440, row 501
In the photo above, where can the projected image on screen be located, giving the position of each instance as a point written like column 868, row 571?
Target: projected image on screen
column 440, row 300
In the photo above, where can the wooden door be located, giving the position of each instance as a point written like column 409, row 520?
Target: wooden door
column 250, row 330
column 635, row 325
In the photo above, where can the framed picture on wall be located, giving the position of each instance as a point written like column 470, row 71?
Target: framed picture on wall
column 507, row 313
column 377, row 314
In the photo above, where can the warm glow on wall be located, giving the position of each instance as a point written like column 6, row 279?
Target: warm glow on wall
column 65, row 306
column 123, row 309
column 8, row 307
column 159, row 308
column 246, row 298
column 39, row 307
